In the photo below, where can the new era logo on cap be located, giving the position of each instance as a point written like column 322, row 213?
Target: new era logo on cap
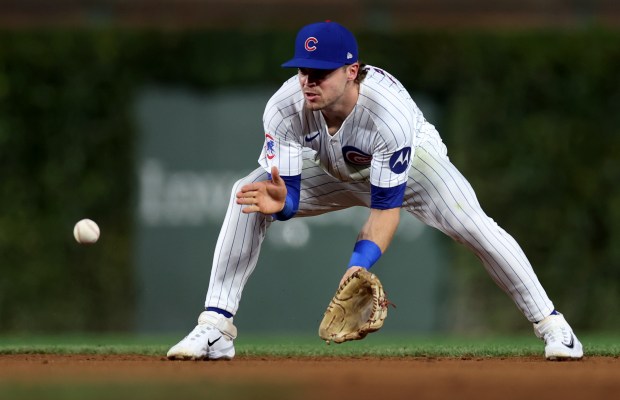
column 323, row 45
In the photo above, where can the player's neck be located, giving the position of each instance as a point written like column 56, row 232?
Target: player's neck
column 336, row 114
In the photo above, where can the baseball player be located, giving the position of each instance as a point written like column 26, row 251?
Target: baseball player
column 341, row 134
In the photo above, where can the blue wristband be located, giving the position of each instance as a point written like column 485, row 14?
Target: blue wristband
column 288, row 211
column 365, row 254
column 291, row 204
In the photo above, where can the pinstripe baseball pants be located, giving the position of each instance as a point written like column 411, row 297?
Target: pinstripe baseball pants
column 437, row 194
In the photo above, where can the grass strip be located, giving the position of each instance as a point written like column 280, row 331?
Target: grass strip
column 303, row 346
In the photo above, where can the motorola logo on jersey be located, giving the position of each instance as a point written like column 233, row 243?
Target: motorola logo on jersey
column 355, row 156
column 270, row 146
column 400, row 160
column 311, row 43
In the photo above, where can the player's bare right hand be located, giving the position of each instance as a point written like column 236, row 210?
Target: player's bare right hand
column 266, row 197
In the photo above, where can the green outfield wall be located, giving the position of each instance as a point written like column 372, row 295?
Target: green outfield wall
column 146, row 131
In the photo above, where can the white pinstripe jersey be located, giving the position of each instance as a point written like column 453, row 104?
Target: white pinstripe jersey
column 375, row 142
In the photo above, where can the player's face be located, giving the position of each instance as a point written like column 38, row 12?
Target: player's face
column 325, row 88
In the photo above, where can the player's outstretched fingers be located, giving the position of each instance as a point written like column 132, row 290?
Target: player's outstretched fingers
column 247, row 197
column 248, row 194
column 250, row 209
column 267, row 197
column 250, row 200
column 250, row 187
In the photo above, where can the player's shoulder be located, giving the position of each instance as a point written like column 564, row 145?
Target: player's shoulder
column 380, row 82
column 383, row 95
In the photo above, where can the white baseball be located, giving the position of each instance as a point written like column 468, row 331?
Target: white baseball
column 86, row 231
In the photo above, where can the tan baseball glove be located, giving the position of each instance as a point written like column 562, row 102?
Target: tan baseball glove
column 358, row 308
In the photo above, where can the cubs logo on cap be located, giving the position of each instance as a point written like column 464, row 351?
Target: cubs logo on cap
column 323, row 45
column 311, row 43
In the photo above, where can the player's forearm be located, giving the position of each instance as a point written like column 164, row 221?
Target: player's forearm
column 380, row 227
column 375, row 237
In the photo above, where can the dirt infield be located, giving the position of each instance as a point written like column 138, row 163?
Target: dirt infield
column 40, row 376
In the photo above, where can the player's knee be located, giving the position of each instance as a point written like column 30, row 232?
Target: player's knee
column 464, row 221
column 239, row 184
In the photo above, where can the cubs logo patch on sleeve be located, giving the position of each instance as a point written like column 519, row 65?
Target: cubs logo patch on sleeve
column 270, row 146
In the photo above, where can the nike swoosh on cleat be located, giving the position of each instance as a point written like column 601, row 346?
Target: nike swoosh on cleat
column 211, row 343
column 311, row 138
column 570, row 344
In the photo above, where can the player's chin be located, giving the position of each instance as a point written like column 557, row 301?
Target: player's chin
column 314, row 105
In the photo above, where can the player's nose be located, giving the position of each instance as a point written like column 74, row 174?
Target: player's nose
column 306, row 81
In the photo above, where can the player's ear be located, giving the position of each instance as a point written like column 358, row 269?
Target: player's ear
column 352, row 71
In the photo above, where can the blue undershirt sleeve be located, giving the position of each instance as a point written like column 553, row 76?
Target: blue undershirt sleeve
column 386, row 198
column 291, row 204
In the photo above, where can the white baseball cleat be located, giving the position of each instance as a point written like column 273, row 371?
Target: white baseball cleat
column 560, row 341
column 211, row 339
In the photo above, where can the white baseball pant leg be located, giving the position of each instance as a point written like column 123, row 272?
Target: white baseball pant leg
column 439, row 195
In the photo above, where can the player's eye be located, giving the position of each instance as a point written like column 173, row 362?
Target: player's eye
column 315, row 74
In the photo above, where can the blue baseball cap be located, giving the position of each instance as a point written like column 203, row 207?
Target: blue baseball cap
column 323, row 45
